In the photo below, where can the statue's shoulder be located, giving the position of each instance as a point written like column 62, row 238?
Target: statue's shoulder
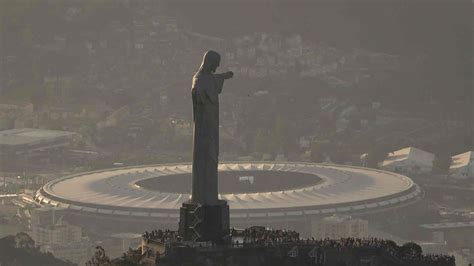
column 202, row 79
column 196, row 79
column 205, row 84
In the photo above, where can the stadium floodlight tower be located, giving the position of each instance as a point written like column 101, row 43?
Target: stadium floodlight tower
column 204, row 217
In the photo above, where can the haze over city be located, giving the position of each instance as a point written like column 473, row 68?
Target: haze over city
column 236, row 132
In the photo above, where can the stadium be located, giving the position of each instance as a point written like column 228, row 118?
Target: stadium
column 275, row 194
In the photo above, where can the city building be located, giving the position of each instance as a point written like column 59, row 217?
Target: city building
column 409, row 160
column 60, row 233
column 464, row 256
column 434, row 247
column 52, row 234
column 462, row 165
column 456, row 234
column 339, row 226
column 28, row 140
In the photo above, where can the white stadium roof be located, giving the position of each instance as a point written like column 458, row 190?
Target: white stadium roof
column 343, row 189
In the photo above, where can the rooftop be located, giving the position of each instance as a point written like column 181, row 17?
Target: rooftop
column 409, row 153
column 337, row 218
column 448, row 225
column 462, row 160
column 30, row 136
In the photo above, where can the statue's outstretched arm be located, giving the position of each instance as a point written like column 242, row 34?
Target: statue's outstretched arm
column 219, row 78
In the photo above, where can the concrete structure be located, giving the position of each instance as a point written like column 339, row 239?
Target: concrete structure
column 456, row 234
column 462, row 165
column 409, row 160
column 299, row 193
column 339, row 226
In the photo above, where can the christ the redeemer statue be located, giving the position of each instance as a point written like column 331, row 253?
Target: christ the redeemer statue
column 205, row 217
column 206, row 87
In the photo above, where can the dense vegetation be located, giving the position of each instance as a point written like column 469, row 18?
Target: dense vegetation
column 20, row 250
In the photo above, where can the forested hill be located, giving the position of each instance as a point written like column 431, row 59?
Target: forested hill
column 438, row 31
column 389, row 25
column 433, row 37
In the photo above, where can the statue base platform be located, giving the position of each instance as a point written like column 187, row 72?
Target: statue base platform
column 203, row 223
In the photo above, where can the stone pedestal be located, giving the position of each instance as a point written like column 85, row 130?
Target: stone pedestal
column 204, row 222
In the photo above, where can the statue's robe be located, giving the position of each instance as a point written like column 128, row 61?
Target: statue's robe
column 206, row 88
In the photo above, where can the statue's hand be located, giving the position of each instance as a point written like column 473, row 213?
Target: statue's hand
column 229, row 74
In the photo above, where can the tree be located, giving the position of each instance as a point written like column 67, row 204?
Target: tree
column 339, row 153
column 261, row 142
column 280, row 132
column 316, row 154
column 376, row 155
column 441, row 164
column 20, row 249
column 26, row 38
column 319, row 150
column 327, row 125
column 99, row 258
column 131, row 257
column 410, row 251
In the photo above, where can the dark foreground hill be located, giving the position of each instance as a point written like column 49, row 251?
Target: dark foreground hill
column 20, row 250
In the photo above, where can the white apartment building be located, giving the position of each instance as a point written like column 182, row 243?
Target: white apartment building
column 339, row 226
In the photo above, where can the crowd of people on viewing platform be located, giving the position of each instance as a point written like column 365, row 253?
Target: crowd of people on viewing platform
column 161, row 236
column 435, row 260
column 410, row 253
column 264, row 237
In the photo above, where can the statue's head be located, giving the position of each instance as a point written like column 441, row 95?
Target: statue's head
column 210, row 62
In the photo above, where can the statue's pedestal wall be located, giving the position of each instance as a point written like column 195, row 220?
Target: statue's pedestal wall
column 204, row 222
